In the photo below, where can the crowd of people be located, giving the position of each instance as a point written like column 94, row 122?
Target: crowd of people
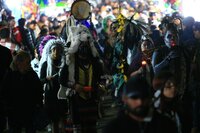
column 148, row 62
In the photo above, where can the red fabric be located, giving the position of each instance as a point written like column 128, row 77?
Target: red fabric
column 87, row 88
column 17, row 35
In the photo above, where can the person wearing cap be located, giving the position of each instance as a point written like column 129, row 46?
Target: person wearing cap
column 138, row 115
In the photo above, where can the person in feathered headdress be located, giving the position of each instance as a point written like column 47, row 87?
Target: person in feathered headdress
column 52, row 62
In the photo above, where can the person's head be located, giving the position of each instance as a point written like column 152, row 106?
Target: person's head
column 44, row 31
column 137, row 97
column 196, row 30
column 67, row 11
column 177, row 18
column 146, row 43
column 21, row 62
column 166, row 83
column 11, row 21
column 107, row 22
column 169, row 90
column 55, row 24
column 188, row 22
column 56, row 50
column 113, row 29
column 4, row 33
column 43, row 18
column 32, row 25
column 152, row 15
column 3, row 12
column 171, row 36
column 21, row 22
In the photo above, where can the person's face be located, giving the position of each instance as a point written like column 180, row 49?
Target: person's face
column 137, row 106
column 12, row 23
column 113, row 30
column 33, row 26
column 170, row 39
column 169, row 89
column 144, row 46
column 55, row 53
column 196, row 34
column 43, row 19
column 134, row 103
column 109, row 22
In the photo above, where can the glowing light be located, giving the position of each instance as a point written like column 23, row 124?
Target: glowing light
column 144, row 63
column 15, row 7
column 52, row 11
column 12, row 4
column 191, row 8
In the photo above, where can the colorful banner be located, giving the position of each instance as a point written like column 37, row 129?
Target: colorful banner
column 29, row 9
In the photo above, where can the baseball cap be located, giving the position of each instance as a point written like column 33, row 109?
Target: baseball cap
column 137, row 87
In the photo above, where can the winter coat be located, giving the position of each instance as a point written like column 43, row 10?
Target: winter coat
column 124, row 123
column 21, row 93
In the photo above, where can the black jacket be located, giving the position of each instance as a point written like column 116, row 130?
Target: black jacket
column 21, row 93
column 5, row 60
column 124, row 124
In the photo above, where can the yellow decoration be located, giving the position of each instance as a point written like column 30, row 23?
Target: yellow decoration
column 125, row 78
column 121, row 21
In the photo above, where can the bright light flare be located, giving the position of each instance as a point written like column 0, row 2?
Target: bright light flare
column 13, row 4
column 191, row 8
column 144, row 63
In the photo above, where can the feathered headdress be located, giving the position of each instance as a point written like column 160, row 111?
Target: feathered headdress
column 44, row 41
column 46, row 54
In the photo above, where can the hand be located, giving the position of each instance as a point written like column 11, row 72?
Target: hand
column 49, row 78
column 78, row 88
column 139, row 71
column 172, row 55
column 70, row 84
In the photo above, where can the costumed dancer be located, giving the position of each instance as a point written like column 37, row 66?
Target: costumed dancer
column 84, row 70
column 52, row 62
column 173, row 57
